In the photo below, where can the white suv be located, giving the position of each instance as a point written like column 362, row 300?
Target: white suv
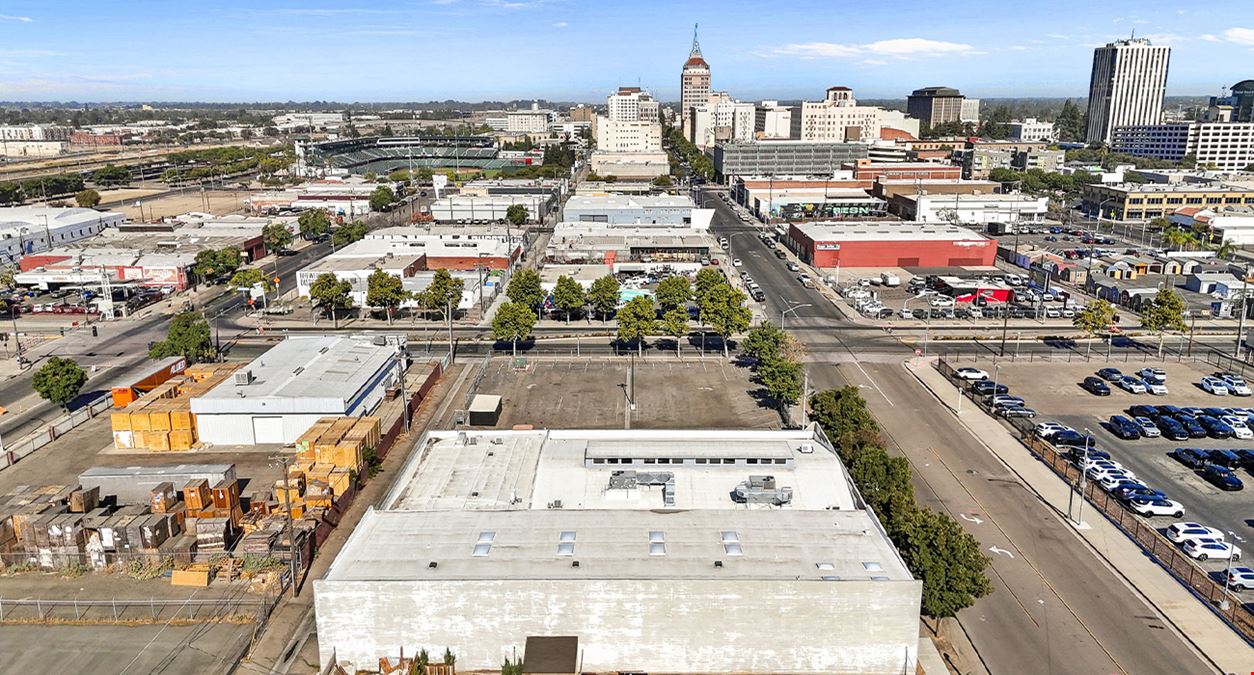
column 1182, row 532
column 1205, row 548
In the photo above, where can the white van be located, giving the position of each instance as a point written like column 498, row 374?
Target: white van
column 890, row 280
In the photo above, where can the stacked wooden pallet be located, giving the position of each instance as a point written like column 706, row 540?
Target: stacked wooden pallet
column 329, row 457
column 162, row 420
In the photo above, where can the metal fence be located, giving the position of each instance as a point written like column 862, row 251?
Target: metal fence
column 1161, row 549
column 237, row 606
column 14, row 451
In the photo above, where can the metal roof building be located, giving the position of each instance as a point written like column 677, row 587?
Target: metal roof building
column 662, row 551
column 280, row 394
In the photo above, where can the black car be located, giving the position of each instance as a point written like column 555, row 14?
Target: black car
column 1195, row 428
column 780, row 254
column 1124, row 428
column 1215, row 412
column 1222, row 478
column 1225, row 458
column 1246, row 457
column 1095, row 386
column 989, row 388
column 1170, row 410
column 1150, row 411
column 1191, row 457
column 1074, row 439
column 1215, row 428
column 1109, row 374
column 1171, row 428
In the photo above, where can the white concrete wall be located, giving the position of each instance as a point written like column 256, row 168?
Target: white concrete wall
column 675, row 626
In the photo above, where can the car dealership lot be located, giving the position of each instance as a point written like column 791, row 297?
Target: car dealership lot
column 1053, row 390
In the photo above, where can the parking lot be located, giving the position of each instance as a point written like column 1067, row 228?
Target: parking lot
column 1054, row 391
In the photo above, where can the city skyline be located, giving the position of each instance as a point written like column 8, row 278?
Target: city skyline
column 517, row 49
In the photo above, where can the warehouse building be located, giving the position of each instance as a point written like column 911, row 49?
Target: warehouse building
column 629, row 249
column 637, row 211
column 30, row 229
column 969, row 209
column 280, row 394
column 784, row 158
column 889, row 244
column 696, row 551
column 488, row 208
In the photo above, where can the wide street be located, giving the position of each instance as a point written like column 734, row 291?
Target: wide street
column 1056, row 607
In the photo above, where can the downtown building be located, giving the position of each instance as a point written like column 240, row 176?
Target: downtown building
column 1126, row 88
column 694, row 84
column 1227, row 146
column 838, row 117
column 629, row 137
column 939, row 105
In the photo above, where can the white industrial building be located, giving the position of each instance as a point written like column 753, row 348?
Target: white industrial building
column 531, row 121
column 696, row 551
column 31, row 229
column 973, row 209
column 280, row 394
column 637, row 210
column 487, row 208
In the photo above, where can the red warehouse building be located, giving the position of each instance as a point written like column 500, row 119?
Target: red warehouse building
column 890, row 244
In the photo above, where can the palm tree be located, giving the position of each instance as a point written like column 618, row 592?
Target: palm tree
column 1226, row 251
column 1179, row 239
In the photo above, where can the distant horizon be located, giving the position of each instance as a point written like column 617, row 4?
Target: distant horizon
column 216, row 52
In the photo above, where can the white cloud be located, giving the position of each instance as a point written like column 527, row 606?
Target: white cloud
column 898, row 48
column 1207, row 37
column 560, row 24
column 13, row 17
column 873, row 62
column 1243, row 36
column 1166, row 39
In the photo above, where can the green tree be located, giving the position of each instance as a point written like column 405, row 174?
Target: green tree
column 87, row 199
column 381, row 198
column 673, row 291
column 1179, row 239
column 637, row 320
column 314, row 224
column 277, row 237
column 443, row 294
column 1070, row 123
column 525, row 289
column 331, row 293
column 251, row 277
column 1095, row 319
column 663, row 181
column 513, row 321
column 1226, row 251
column 59, row 380
column 945, row 558
column 568, row 296
column 348, row 233
column 725, row 312
column 386, row 291
column 843, row 415
column 603, row 295
column 766, row 340
column 516, row 214
column 707, row 278
column 111, row 175
column 1249, row 168
column 675, row 324
column 10, row 192
column 187, row 336
column 449, row 657
column 880, row 477
column 782, row 378
column 1165, row 312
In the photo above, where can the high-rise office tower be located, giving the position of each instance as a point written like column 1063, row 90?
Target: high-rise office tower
column 1127, row 87
column 694, row 82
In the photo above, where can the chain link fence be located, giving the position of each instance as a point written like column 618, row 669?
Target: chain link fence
column 1151, row 541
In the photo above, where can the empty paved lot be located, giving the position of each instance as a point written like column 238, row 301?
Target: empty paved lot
column 587, row 393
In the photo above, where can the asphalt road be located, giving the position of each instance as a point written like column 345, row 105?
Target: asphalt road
column 1056, row 608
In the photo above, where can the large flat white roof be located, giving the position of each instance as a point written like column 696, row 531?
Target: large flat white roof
column 886, row 230
column 587, row 202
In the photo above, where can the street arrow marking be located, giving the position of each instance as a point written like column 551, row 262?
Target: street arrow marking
column 971, row 519
column 994, row 549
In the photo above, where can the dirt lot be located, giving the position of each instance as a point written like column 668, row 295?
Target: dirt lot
column 221, row 203
column 588, row 393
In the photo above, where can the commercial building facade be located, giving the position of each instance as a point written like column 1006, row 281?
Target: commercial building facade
column 838, row 117
column 1126, row 88
column 279, row 395
column 889, row 244
column 936, row 105
column 1154, row 200
column 969, row 209
column 1032, row 129
column 784, row 158
column 636, row 210
column 1228, row 146
column 632, row 544
column 31, row 229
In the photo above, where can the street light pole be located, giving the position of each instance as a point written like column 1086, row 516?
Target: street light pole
column 1088, row 437
column 1005, row 319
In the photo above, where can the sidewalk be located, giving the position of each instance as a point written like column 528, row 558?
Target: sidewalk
column 1199, row 626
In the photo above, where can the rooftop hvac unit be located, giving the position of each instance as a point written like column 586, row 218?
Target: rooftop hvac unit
column 380, row 341
column 243, row 377
column 807, row 448
column 761, row 490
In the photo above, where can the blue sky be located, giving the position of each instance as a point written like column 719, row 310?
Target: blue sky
column 417, row 50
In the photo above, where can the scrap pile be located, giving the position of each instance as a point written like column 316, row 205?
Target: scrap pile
column 162, row 420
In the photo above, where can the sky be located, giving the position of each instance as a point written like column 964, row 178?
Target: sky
column 580, row 50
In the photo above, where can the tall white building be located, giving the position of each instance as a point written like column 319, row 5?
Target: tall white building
column 694, row 82
column 720, row 118
column 1031, row 129
column 1127, row 87
column 775, row 122
column 1228, row 146
column 838, row 117
column 532, row 121
column 969, row 111
column 631, row 104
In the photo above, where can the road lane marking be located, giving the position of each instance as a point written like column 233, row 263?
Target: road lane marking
column 1000, row 551
column 971, row 519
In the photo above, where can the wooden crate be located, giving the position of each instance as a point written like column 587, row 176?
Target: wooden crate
column 157, row 441
column 182, row 439
column 181, row 419
column 139, row 418
column 197, row 495
column 121, row 421
column 159, row 418
column 195, row 575
column 226, row 494
column 124, row 440
column 341, row 481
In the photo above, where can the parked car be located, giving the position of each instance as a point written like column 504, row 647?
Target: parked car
column 1241, row 578
column 1131, row 384
column 1019, row 411
column 1124, row 428
column 1190, row 423
column 1236, row 384
column 1224, row 458
column 1206, row 548
column 1222, row 477
column 1095, row 386
column 1172, row 429
column 1156, row 507
column 1154, row 385
column 971, row 374
column 1181, row 532
column 988, row 388
column 1114, row 479
column 1074, row 439
column 1109, row 374
column 1190, row 457
column 1138, row 493
column 1215, row 428
column 794, row 267
column 1153, row 372
column 736, row 262
column 1214, row 386
column 1148, row 428
column 1143, row 411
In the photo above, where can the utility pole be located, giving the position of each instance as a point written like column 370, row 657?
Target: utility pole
column 1005, row 318
column 403, row 360
column 291, row 535
column 1236, row 350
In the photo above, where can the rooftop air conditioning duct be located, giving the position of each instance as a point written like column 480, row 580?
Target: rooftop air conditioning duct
column 243, row 378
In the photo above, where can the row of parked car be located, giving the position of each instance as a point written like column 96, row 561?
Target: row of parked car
column 1144, row 381
column 1181, row 424
column 995, row 394
column 1216, row 466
